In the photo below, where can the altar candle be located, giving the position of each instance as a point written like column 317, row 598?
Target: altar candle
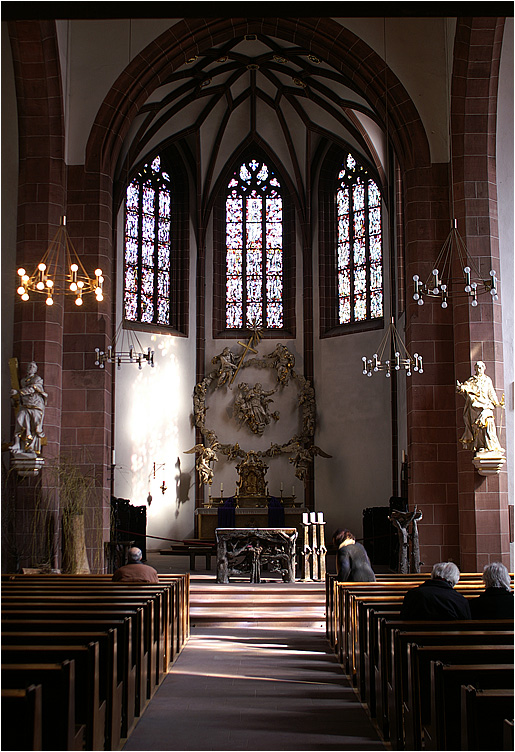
column 320, row 517
column 313, row 517
column 221, row 487
column 293, row 490
column 305, row 520
column 281, row 486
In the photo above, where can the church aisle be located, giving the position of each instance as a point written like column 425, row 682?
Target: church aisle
column 240, row 688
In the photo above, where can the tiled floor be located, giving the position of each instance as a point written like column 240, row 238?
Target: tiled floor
column 254, row 688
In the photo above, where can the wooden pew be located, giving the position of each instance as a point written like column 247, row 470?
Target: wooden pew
column 141, row 630
column 57, row 681
column 109, row 671
column 483, row 712
column 404, row 717
column 90, row 708
column 443, row 729
column 105, row 601
column 156, row 639
column 21, row 711
column 419, row 680
column 382, row 624
column 129, row 625
column 508, row 739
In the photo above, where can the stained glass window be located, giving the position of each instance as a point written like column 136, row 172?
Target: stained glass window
column 254, row 248
column 147, row 282
column 359, row 244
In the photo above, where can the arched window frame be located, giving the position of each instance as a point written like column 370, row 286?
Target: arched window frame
column 335, row 174
column 166, row 267
column 220, row 327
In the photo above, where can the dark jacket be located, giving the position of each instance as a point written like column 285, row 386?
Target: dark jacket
column 433, row 600
column 353, row 564
column 494, row 603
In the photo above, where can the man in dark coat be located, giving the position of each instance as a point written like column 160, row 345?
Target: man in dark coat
column 135, row 570
column 436, row 598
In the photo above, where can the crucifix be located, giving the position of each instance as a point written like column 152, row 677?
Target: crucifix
column 249, row 347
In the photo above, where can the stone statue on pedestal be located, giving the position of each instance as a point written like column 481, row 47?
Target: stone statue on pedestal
column 29, row 403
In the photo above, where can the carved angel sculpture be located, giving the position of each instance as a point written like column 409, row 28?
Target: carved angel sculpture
column 206, row 455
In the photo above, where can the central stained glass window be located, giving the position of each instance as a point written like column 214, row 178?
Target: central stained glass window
column 360, row 255
column 147, row 247
column 254, row 248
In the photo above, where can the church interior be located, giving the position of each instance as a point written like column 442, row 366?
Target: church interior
column 258, row 273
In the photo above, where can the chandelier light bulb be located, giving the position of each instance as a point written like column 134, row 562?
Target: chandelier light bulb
column 49, row 301
column 78, row 301
column 40, row 285
column 20, row 290
column 80, row 284
column 74, row 268
column 49, row 283
column 25, row 296
column 420, row 302
column 42, row 267
column 98, row 273
column 73, row 286
column 25, row 278
column 21, row 272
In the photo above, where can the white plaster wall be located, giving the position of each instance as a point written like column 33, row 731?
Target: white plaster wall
column 153, row 425
column 504, row 144
column 9, row 221
column 354, row 419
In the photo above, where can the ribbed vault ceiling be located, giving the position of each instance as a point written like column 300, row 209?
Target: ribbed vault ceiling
column 254, row 87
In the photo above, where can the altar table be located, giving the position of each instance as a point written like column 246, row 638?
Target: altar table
column 246, row 551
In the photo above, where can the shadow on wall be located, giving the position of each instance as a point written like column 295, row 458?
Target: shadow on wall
column 183, row 483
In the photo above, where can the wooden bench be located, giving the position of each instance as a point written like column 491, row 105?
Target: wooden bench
column 404, row 718
column 444, row 726
column 23, row 709
column 420, row 688
column 483, row 712
column 110, row 686
column 126, row 673
column 59, row 731
column 90, row 708
column 192, row 551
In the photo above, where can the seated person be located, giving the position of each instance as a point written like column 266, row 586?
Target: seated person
column 436, row 598
column 135, row 570
column 352, row 562
column 497, row 600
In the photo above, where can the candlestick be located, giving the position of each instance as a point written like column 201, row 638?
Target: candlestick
column 305, row 518
column 221, row 486
column 281, row 486
column 293, row 490
column 320, row 517
column 312, row 518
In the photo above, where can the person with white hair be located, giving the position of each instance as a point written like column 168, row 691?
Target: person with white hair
column 135, row 570
column 436, row 598
column 497, row 600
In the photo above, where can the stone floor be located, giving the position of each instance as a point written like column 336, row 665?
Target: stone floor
column 261, row 687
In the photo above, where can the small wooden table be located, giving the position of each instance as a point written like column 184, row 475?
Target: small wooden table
column 245, row 551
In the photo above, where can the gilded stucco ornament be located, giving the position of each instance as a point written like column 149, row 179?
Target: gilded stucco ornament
column 251, row 406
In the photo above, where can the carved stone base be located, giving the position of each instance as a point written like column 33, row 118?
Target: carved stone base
column 488, row 463
column 26, row 465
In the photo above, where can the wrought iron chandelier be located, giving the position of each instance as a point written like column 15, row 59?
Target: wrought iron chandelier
column 133, row 352
column 54, row 275
column 399, row 358
column 441, row 285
